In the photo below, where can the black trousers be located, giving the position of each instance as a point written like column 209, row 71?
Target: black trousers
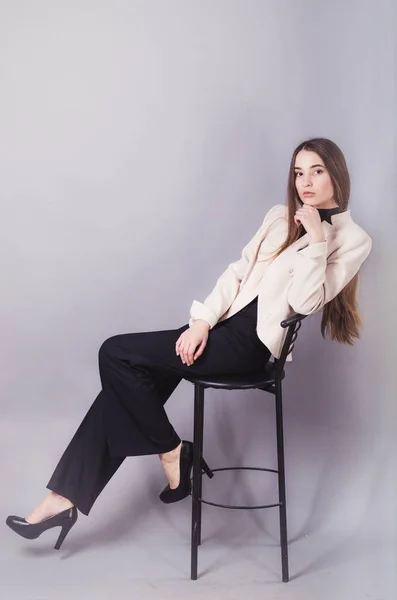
column 139, row 372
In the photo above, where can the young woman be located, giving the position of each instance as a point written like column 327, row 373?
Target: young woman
column 305, row 257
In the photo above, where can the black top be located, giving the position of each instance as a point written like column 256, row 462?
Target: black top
column 326, row 213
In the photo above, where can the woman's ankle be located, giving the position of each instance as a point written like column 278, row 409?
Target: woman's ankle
column 52, row 504
column 54, row 497
column 172, row 454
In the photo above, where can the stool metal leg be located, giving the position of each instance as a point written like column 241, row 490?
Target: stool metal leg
column 200, row 431
column 196, row 504
column 281, row 482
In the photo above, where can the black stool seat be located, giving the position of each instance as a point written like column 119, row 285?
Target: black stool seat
column 261, row 379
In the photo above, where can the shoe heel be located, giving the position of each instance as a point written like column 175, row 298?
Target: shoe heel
column 206, row 468
column 64, row 532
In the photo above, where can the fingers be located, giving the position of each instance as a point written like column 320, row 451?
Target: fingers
column 178, row 345
column 306, row 210
column 182, row 347
column 200, row 349
column 188, row 351
column 182, row 353
column 303, row 212
column 187, row 354
column 190, row 355
column 299, row 215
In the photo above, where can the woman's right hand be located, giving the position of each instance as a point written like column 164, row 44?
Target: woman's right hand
column 192, row 342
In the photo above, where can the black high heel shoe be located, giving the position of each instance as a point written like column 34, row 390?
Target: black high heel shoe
column 65, row 519
column 183, row 490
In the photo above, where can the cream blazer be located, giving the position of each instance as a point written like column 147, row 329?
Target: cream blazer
column 300, row 280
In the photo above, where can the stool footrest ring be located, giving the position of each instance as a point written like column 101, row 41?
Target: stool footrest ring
column 234, row 506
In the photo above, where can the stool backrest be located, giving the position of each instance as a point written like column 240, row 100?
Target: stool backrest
column 293, row 324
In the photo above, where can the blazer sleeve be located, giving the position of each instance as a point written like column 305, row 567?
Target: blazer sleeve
column 228, row 284
column 317, row 280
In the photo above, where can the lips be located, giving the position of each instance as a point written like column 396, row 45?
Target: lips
column 308, row 194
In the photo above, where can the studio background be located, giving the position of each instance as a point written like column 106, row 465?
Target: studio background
column 141, row 144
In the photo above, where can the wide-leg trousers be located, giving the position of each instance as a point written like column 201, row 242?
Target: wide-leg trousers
column 139, row 372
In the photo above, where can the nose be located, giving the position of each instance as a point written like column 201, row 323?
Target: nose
column 307, row 182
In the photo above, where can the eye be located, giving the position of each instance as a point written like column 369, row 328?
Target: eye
column 319, row 171
column 297, row 173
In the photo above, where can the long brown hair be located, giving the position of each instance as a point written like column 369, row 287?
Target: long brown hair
column 340, row 319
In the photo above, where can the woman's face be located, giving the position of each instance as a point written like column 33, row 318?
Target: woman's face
column 312, row 180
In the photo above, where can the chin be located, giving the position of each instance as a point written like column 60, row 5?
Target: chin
column 311, row 201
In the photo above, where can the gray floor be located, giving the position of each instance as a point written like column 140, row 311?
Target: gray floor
column 131, row 546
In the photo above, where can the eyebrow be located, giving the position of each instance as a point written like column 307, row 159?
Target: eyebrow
column 312, row 167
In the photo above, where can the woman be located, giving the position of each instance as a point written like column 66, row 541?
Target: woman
column 305, row 257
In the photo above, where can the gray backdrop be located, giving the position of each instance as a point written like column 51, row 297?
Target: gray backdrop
column 142, row 142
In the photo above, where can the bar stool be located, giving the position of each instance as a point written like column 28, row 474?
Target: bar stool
column 269, row 380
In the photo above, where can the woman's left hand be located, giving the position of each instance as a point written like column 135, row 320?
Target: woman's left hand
column 310, row 219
